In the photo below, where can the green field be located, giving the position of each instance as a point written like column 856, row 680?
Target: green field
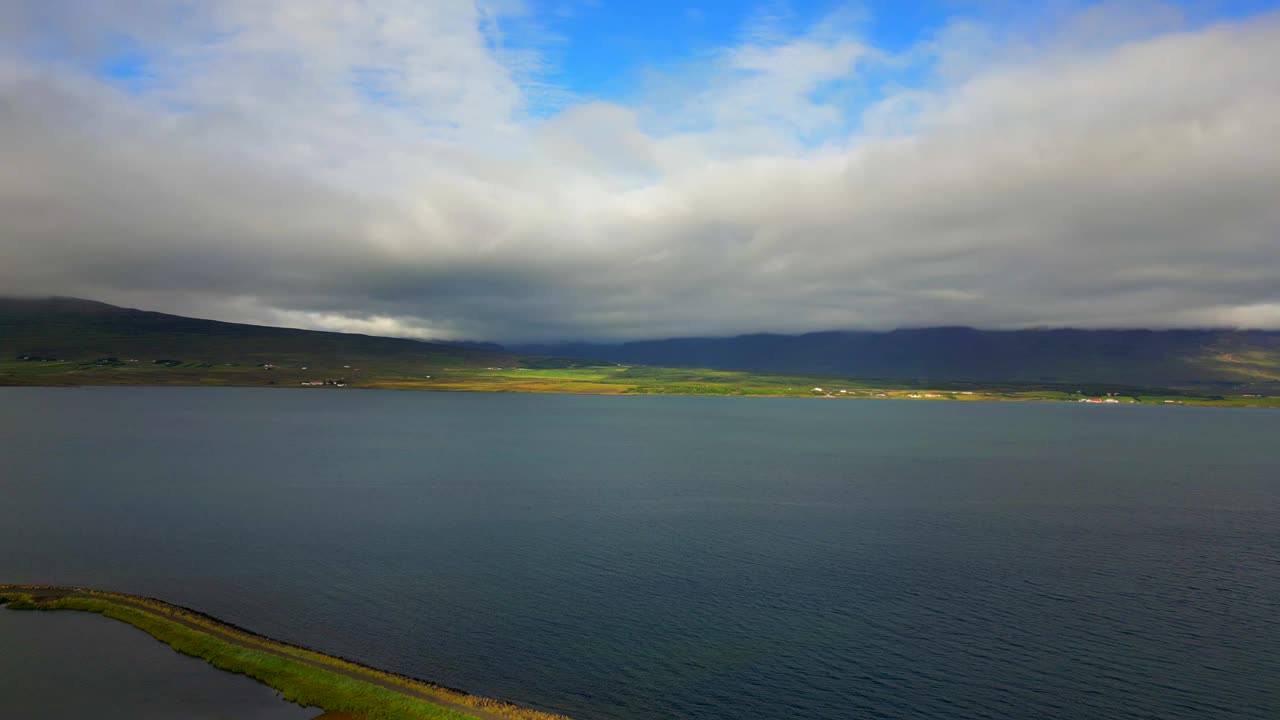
column 583, row 379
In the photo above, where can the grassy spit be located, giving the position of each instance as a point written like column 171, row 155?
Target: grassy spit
column 302, row 676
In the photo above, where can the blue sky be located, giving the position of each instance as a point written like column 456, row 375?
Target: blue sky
column 517, row 170
column 606, row 46
column 603, row 49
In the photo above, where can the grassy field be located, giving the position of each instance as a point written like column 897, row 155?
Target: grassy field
column 303, row 676
column 414, row 374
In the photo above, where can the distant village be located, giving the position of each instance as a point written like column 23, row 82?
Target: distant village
column 327, row 382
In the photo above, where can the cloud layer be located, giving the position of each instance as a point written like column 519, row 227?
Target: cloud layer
column 409, row 170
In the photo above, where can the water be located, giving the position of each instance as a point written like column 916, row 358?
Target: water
column 75, row 665
column 651, row 557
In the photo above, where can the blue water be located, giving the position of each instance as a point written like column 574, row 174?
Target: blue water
column 652, row 557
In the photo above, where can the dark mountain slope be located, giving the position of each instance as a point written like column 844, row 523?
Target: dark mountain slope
column 84, row 330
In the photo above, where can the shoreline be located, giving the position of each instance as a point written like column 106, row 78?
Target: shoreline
column 1150, row 399
column 332, row 683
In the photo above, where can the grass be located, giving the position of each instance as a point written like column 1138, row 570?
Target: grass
column 603, row 380
column 296, row 676
column 617, row 379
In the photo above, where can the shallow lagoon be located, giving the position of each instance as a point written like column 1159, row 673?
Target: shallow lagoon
column 657, row 557
column 76, row 665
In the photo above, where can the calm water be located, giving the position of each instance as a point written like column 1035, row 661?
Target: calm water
column 649, row 557
column 74, row 665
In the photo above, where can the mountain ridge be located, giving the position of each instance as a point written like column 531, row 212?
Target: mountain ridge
column 1140, row 356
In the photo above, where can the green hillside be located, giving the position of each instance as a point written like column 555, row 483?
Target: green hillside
column 69, row 341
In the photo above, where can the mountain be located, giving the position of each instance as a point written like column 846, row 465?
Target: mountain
column 38, row 333
column 1140, row 357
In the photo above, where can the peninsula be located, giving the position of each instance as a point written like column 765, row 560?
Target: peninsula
column 309, row 678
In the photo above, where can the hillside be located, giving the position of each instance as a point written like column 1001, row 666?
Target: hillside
column 1181, row 358
column 75, row 329
column 72, row 341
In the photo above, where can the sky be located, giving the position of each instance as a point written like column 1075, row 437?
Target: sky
column 541, row 170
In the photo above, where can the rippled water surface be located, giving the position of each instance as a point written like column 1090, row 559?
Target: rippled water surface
column 651, row 557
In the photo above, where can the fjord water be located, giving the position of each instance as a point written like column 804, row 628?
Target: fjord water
column 672, row 557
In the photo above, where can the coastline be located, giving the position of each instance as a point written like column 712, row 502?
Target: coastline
column 308, row 677
column 1160, row 397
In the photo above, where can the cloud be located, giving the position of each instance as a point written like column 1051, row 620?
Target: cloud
column 392, row 168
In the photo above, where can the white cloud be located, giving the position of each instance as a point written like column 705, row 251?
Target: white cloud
column 379, row 170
